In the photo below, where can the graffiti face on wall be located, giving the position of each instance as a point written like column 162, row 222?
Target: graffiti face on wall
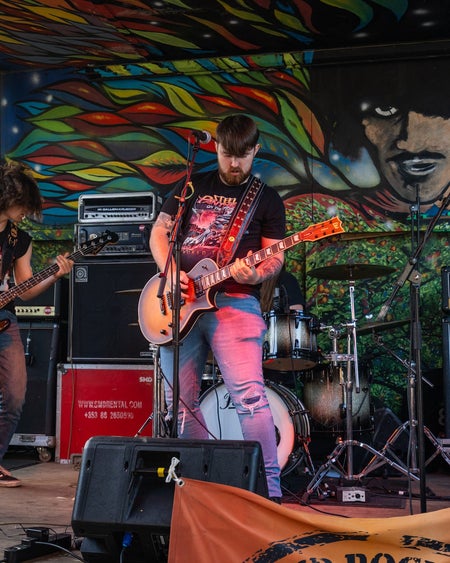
column 398, row 111
column 413, row 152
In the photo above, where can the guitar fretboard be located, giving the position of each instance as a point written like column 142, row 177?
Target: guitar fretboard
column 85, row 249
column 311, row 234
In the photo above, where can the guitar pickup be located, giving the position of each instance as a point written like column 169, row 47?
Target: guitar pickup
column 198, row 288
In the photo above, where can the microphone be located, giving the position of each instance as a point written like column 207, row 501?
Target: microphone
column 202, row 137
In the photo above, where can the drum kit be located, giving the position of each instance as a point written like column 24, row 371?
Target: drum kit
column 335, row 396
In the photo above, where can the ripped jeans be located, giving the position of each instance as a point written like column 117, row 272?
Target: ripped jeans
column 13, row 380
column 235, row 334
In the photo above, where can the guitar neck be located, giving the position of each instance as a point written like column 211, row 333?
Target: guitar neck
column 23, row 287
column 312, row 234
column 223, row 274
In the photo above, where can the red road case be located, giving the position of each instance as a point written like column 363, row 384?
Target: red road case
column 101, row 400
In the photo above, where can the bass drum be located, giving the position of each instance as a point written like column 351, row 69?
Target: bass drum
column 290, row 419
column 324, row 397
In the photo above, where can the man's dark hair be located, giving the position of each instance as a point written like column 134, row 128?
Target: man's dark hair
column 237, row 134
column 18, row 187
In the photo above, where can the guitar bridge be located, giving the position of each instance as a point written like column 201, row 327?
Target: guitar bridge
column 170, row 302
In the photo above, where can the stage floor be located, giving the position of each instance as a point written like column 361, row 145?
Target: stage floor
column 48, row 490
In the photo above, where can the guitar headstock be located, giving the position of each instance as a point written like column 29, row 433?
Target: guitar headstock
column 95, row 244
column 321, row 230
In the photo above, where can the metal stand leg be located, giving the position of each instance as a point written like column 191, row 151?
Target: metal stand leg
column 411, row 425
column 334, row 463
column 347, row 445
column 160, row 426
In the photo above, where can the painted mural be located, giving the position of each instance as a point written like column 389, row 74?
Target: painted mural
column 48, row 34
column 333, row 143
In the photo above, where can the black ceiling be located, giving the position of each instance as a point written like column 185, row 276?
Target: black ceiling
column 56, row 33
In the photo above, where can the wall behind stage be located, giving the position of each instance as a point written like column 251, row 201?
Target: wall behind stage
column 334, row 142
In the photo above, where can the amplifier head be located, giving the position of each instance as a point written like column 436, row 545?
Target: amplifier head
column 118, row 208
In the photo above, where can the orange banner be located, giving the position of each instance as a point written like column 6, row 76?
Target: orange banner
column 214, row 523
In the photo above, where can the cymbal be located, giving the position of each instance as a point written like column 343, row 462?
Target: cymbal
column 351, row 271
column 380, row 325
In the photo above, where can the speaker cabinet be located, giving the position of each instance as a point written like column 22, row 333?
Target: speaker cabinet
column 103, row 312
column 42, row 352
column 142, row 501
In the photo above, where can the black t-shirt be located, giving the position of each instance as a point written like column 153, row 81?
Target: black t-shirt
column 208, row 213
column 20, row 248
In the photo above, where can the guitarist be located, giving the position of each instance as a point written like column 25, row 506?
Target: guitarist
column 19, row 197
column 236, row 330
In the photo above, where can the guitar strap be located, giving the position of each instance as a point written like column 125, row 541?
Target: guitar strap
column 239, row 221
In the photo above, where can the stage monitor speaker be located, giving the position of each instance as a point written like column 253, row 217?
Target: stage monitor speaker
column 122, row 489
column 42, row 353
column 103, row 312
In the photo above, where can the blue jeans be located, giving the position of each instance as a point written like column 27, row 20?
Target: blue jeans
column 235, row 335
column 13, row 380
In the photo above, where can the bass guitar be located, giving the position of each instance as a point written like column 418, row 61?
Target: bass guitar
column 93, row 246
column 155, row 313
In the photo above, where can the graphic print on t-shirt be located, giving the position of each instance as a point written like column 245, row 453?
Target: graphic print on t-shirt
column 209, row 220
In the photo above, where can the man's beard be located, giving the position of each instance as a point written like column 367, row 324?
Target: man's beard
column 233, row 179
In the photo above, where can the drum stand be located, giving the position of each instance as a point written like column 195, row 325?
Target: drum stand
column 347, row 445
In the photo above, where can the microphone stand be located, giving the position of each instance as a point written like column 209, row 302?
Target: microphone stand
column 411, row 273
column 175, row 250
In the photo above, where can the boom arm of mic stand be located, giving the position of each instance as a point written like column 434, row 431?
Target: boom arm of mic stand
column 413, row 260
column 398, row 284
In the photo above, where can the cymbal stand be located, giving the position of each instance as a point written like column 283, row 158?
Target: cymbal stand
column 349, row 443
column 160, row 426
column 410, row 425
column 412, row 275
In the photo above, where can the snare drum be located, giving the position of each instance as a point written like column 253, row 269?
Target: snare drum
column 290, row 343
column 290, row 419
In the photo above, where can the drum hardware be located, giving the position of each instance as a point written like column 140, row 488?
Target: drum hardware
column 349, row 370
column 157, row 415
column 382, row 457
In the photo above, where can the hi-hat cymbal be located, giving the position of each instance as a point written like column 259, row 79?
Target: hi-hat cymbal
column 380, row 325
column 351, row 271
